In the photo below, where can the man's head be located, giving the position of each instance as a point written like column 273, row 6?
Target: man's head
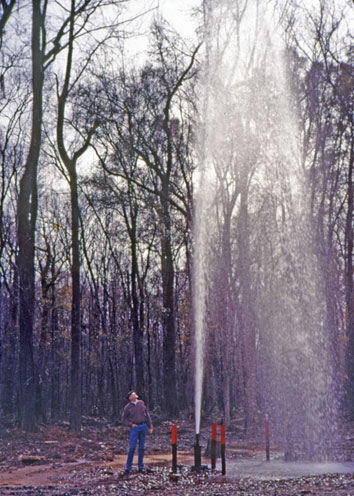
column 132, row 396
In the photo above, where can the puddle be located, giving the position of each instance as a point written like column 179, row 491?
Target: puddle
column 278, row 469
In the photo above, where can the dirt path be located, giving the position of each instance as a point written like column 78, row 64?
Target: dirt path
column 39, row 475
column 53, row 473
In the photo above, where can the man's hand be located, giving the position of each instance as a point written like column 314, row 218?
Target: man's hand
column 150, row 431
column 134, row 425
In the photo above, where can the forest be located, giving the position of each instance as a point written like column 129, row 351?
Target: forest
column 98, row 157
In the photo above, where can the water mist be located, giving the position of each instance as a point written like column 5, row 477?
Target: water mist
column 249, row 141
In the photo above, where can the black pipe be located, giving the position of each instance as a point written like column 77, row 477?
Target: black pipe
column 222, row 446
column 174, row 458
column 197, row 454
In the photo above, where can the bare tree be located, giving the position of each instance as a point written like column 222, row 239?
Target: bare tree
column 84, row 127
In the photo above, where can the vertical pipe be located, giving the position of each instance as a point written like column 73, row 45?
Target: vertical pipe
column 222, row 439
column 197, row 455
column 174, row 448
column 213, row 446
column 267, row 436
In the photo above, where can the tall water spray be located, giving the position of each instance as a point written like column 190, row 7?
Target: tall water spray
column 250, row 151
column 203, row 209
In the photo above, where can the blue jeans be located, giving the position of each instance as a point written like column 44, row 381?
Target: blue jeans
column 136, row 433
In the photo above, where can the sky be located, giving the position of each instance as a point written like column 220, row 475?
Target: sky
column 176, row 12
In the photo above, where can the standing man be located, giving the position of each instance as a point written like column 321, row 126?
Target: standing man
column 136, row 416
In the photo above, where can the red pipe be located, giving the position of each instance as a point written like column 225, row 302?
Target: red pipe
column 174, row 434
column 213, row 431
column 222, row 433
column 174, row 448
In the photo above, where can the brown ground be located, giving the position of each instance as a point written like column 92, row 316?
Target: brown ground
column 54, row 462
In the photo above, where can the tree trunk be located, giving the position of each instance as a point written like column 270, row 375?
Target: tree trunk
column 27, row 214
column 349, row 288
column 137, row 325
column 75, row 374
column 8, row 362
column 168, row 319
column 54, row 355
column 247, row 317
column 71, row 164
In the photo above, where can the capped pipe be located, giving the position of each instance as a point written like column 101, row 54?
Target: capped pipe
column 174, row 449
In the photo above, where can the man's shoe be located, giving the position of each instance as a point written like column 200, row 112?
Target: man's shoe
column 142, row 471
column 126, row 472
